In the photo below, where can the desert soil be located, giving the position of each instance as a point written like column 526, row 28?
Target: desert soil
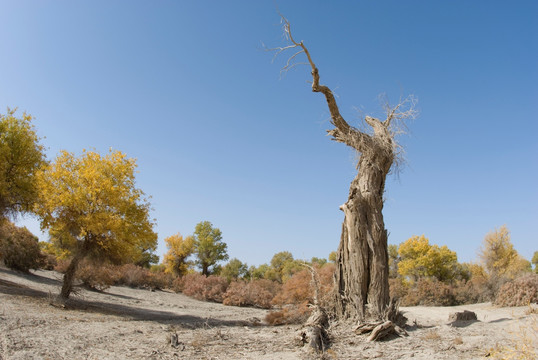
column 125, row 323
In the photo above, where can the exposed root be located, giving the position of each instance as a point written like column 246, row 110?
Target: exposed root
column 392, row 323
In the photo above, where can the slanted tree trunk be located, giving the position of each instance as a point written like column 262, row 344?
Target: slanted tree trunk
column 362, row 257
column 69, row 276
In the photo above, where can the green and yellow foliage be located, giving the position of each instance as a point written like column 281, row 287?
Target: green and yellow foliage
column 259, row 272
column 209, row 247
column 499, row 257
column 283, row 266
column 93, row 199
column 235, row 269
column 92, row 209
column 21, row 156
column 179, row 249
column 420, row 259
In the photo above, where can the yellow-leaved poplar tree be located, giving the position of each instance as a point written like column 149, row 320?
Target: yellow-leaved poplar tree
column 179, row 249
column 21, row 156
column 499, row 257
column 91, row 206
column 420, row 259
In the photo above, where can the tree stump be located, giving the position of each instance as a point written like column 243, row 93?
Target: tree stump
column 315, row 332
column 465, row 315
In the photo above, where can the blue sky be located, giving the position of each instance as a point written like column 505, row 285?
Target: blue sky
column 186, row 88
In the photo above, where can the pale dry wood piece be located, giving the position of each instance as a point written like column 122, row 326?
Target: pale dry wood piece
column 381, row 331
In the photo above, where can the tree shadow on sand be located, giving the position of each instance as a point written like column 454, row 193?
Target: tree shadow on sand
column 32, row 277
column 125, row 311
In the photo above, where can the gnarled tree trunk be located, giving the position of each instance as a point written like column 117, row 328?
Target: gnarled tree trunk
column 362, row 258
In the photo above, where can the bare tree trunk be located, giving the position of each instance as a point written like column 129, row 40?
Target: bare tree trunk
column 69, row 276
column 362, row 258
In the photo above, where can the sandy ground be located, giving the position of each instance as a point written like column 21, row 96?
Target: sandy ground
column 125, row 323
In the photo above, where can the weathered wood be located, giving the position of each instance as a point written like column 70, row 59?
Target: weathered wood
column 381, row 331
column 315, row 333
column 362, row 257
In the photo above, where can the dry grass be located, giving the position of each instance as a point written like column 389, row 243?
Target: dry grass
column 431, row 335
column 523, row 345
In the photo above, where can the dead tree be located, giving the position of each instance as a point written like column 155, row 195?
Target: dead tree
column 362, row 259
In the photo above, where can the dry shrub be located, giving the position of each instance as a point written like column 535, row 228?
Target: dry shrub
column 519, row 292
column 95, row 276
column 431, row 335
column 398, row 288
column 257, row 293
column 102, row 276
column 291, row 314
column 429, row 292
column 19, row 248
column 298, row 293
column 49, row 261
column 521, row 345
column 178, row 284
column 211, row 288
column 299, row 289
column 139, row 277
column 296, row 290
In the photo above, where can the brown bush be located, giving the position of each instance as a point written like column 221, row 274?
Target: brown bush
column 296, row 290
column 291, row 314
column 138, row 277
column 102, row 276
column 211, row 288
column 299, row 289
column 96, row 276
column 19, row 248
column 298, row 293
column 257, row 293
column 519, row 292
column 398, row 288
column 429, row 292
column 61, row 265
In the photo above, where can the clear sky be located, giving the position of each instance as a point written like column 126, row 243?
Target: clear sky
column 186, row 88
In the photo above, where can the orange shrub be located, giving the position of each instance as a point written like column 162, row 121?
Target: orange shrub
column 288, row 315
column 298, row 292
column 211, row 288
column 299, row 289
column 139, row 277
column 98, row 277
column 258, row 293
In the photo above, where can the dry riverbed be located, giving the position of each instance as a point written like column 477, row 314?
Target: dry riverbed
column 125, row 323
